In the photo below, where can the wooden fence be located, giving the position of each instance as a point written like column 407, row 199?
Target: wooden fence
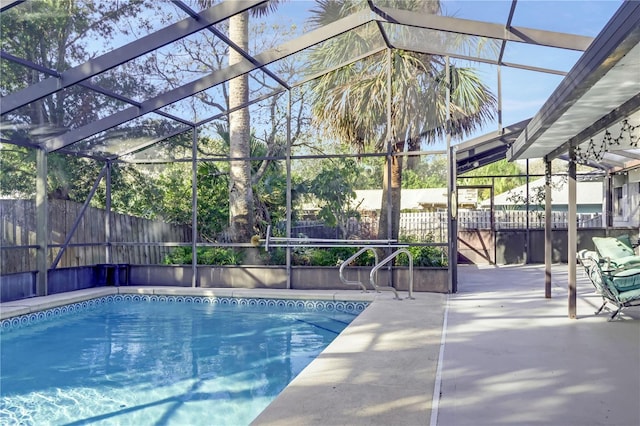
column 88, row 245
column 18, row 228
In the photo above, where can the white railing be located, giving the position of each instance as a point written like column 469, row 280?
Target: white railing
column 432, row 226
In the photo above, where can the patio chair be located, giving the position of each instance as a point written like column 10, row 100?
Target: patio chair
column 614, row 270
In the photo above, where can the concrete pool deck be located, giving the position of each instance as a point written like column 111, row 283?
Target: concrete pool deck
column 497, row 353
column 380, row 370
column 510, row 357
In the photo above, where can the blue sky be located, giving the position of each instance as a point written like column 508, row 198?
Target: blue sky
column 524, row 92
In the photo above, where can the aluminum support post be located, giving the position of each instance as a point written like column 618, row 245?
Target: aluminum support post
column 289, row 187
column 194, row 208
column 548, row 236
column 42, row 222
column 573, row 234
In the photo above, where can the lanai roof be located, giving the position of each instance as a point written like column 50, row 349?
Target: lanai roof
column 110, row 134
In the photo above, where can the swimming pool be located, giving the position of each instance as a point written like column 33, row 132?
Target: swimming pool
column 148, row 359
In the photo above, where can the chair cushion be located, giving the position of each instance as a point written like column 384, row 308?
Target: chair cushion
column 626, row 240
column 626, row 262
column 627, row 279
column 629, row 296
column 611, row 247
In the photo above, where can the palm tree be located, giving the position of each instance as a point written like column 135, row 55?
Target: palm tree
column 241, row 205
column 240, row 190
column 351, row 102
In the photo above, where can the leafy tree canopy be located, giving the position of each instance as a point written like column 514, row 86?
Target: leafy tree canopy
column 332, row 191
column 482, row 176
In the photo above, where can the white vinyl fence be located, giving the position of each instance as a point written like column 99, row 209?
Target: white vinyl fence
column 432, row 226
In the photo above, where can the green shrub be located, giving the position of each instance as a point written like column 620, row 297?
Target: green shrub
column 423, row 255
column 331, row 256
column 275, row 256
column 206, row 256
column 303, row 256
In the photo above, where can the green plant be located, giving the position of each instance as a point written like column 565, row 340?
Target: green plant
column 275, row 256
column 511, row 179
column 206, row 256
column 332, row 191
column 423, row 255
column 332, row 256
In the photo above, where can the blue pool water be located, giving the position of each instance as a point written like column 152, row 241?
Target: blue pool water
column 142, row 360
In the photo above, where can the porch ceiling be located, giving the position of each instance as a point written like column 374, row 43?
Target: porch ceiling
column 600, row 94
column 487, row 148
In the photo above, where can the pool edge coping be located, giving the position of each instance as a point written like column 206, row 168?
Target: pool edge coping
column 40, row 303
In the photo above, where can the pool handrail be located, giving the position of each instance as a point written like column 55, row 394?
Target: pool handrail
column 385, row 261
column 351, row 259
column 287, row 242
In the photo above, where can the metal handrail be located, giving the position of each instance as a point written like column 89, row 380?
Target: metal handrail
column 351, row 259
column 385, row 261
column 286, row 242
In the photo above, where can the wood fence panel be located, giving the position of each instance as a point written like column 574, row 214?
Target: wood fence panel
column 119, row 253
column 116, row 230
column 147, row 238
column 17, row 218
column 142, row 250
column 29, row 231
column 155, row 234
column 125, row 231
column 78, row 236
column 60, row 222
column 128, row 230
column 9, row 235
column 147, row 229
column 73, row 253
column 84, row 231
column 133, row 252
column 140, row 237
column 97, row 233
column 18, row 227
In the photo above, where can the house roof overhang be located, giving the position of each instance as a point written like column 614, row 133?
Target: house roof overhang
column 487, row 148
column 599, row 94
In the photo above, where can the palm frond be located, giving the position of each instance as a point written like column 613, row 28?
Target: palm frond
column 351, row 102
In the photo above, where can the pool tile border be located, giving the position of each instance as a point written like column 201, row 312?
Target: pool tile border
column 16, row 316
column 36, row 304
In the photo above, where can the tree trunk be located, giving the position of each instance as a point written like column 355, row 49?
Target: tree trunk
column 393, row 185
column 413, row 161
column 240, row 191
